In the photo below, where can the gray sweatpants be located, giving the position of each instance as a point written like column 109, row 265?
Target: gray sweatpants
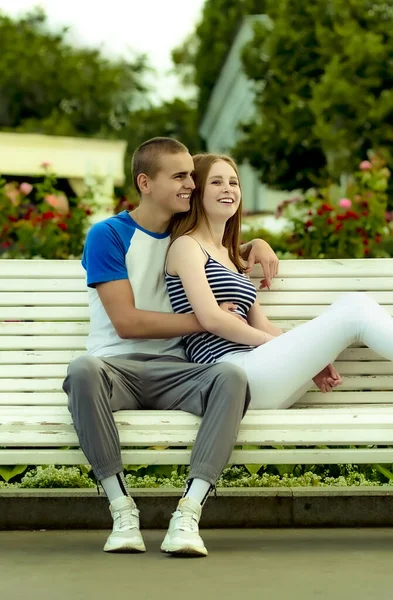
column 97, row 387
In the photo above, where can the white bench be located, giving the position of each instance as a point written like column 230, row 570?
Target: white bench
column 44, row 322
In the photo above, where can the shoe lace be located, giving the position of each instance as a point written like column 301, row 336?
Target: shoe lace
column 127, row 518
column 188, row 521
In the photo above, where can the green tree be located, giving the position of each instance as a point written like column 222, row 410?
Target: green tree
column 200, row 58
column 323, row 77
column 47, row 86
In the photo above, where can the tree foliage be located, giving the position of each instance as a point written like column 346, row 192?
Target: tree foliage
column 47, row 86
column 323, row 75
column 200, row 58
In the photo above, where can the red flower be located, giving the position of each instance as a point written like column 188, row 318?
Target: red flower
column 63, row 226
column 365, row 242
column 6, row 245
column 338, row 226
column 88, row 212
column 366, row 251
column 327, row 207
column 48, row 215
column 330, row 221
column 350, row 214
column 13, row 219
column 378, row 238
column 308, row 224
column 341, row 217
column 365, row 213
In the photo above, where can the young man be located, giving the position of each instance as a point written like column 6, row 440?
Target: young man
column 135, row 359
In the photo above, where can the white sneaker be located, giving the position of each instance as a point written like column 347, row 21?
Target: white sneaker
column 183, row 534
column 125, row 536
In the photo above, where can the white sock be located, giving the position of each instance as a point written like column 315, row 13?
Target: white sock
column 198, row 490
column 114, row 487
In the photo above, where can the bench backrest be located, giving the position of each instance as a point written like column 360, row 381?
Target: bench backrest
column 44, row 324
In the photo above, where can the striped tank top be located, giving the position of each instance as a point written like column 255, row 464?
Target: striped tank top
column 227, row 286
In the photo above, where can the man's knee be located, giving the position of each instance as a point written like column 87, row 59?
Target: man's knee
column 82, row 372
column 231, row 378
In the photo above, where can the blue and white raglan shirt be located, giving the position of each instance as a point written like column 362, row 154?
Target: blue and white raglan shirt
column 118, row 248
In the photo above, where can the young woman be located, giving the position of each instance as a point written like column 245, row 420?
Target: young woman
column 204, row 269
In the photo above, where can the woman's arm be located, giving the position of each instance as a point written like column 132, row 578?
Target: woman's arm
column 257, row 318
column 186, row 260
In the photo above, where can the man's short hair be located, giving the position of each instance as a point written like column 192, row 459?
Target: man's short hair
column 146, row 157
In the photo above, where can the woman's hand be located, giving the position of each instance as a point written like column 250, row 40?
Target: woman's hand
column 328, row 379
column 259, row 252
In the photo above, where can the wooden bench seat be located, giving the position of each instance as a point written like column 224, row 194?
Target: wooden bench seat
column 44, row 323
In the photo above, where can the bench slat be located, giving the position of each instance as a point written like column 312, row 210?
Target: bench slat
column 182, row 457
column 58, row 437
column 289, row 284
column 312, row 398
column 48, row 328
column 331, row 284
column 81, row 313
column 312, row 298
column 355, row 382
column 310, row 268
column 54, row 269
column 32, row 342
column 66, row 356
column 43, row 285
column 144, row 422
column 59, row 370
column 39, row 356
column 44, row 313
column 41, row 269
column 271, row 298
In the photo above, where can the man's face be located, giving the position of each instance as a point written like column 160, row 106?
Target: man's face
column 172, row 186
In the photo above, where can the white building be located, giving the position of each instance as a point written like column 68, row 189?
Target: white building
column 76, row 159
column 232, row 103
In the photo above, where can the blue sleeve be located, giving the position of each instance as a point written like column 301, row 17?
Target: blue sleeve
column 104, row 255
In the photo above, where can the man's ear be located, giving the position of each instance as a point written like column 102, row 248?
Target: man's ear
column 143, row 183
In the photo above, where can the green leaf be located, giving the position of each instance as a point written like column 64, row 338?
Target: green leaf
column 384, row 471
column 8, row 472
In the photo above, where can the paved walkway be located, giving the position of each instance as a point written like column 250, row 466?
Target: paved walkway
column 335, row 564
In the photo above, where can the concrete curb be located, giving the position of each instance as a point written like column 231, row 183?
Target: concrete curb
column 232, row 508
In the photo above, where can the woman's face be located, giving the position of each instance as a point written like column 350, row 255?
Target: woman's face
column 222, row 194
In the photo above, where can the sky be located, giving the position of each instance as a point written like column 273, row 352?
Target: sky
column 122, row 27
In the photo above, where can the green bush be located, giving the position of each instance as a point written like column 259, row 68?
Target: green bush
column 234, row 476
column 329, row 224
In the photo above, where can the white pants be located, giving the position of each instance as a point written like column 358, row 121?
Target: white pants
column 281, row 371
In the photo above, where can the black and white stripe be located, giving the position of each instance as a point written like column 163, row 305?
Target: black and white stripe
column 227, row 286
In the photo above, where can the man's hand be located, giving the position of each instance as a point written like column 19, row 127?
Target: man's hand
column 259, row 252
column 230, row 308
column 327, row 379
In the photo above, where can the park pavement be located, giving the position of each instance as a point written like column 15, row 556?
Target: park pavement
column 243, row 564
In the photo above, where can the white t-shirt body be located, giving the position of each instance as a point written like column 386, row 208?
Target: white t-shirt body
column 115, row 249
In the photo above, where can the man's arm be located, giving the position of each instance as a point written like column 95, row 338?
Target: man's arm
column 118, row 300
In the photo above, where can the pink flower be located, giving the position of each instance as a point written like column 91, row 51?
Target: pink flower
column 365, row 165
column 45, row 164
column 60, row 203
column 25, row 188
column 345, row 203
